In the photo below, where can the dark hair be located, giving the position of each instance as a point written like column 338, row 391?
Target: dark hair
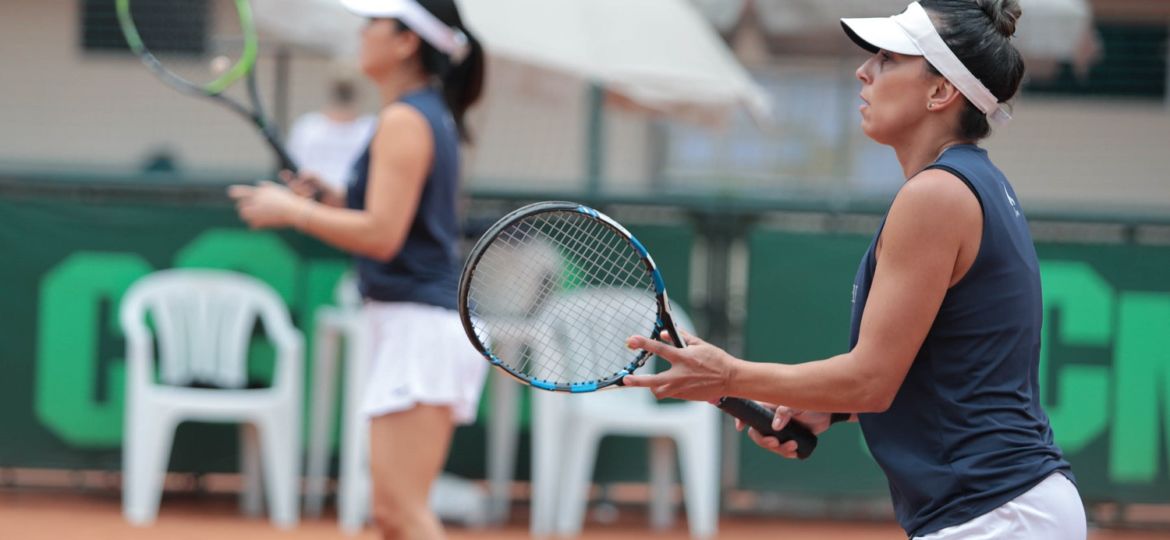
column 979, row 32
column 462, row 83
column 343, row 92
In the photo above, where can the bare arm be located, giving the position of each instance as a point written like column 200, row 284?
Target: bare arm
column 400, row 157
column 401, row 154
column 924, row 250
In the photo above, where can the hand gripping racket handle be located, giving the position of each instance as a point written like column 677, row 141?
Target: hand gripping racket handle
column 752, row 413
column 760, row 419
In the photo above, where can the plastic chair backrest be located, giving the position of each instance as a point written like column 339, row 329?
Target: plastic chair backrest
column 203, row 321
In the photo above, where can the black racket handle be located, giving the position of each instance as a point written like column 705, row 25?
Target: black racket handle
column 285, row 161
column 760, row 419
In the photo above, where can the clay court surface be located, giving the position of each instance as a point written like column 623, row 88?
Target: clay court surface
column 61, row 515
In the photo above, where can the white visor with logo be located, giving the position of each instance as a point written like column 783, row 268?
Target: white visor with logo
column 913, row 33
column 451, row 41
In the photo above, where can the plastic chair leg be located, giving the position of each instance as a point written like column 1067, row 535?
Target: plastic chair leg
column 502, row 431
column 579, row 458
column 353, row 498
column 547, row 453
column 353, row 490
column 700, row 467
column 322, row 413
column 662, row 465
column 145, row 452
column 251, row 496
column 281, row 449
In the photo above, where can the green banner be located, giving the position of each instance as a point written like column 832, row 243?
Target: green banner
column 61, row 358
column 1105, row 359
column 61, row 367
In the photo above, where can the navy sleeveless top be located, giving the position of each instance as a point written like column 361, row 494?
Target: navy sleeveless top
column 426, row 270
column 966, row 432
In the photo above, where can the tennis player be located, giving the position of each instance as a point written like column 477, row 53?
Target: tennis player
column 943, row 367
column 398, row 218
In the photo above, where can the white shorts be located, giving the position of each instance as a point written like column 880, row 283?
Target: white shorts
column 1050, row 511
column 420, row 354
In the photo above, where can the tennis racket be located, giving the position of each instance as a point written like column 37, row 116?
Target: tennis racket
column 229, row 55
column 550, row 293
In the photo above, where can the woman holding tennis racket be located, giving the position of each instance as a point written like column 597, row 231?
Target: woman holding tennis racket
column 943, row 369
column 398, row 218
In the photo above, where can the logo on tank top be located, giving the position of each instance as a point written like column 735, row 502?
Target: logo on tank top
column 1010, row 200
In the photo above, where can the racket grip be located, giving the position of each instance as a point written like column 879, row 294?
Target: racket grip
column 760, row 419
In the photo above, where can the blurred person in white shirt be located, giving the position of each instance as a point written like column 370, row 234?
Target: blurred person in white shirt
column 326, row 143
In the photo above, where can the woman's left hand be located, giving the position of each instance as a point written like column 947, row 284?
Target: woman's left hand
column 267, row 205
column 699, row 372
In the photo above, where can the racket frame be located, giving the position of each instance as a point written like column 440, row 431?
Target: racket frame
column 752, row 413
column 244, row 68
column 664, row 320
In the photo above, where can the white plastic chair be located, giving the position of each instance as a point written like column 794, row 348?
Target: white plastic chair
column 567, row 430
column 203, row 321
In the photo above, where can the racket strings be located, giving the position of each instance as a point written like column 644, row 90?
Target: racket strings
column 594, row 334
column 501, row 264
column 632, row 269
column 571, row 288
column 196, row 42
column 602, row 254
column 516, row 237
column 563, row 235
column 503, row 290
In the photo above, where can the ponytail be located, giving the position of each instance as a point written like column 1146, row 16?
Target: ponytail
column 462, row 82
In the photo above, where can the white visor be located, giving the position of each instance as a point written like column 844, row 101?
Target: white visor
column 913, row 33
column 451, row 41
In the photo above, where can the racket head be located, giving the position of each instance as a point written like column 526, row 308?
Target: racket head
column 229, row 54
column 550, row 293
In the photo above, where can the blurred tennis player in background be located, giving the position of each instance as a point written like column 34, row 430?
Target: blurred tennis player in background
column 398, row 218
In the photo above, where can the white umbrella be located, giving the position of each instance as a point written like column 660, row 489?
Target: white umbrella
column 659, row 54
column 1049, row 29
column 322, row 26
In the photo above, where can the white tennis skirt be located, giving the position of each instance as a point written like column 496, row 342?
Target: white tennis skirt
column 420, row 355
column 1050, row 511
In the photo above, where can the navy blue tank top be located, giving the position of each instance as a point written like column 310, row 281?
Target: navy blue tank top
column 426, row 270
column 966, row 432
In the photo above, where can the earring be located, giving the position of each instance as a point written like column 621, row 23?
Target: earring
column 930, row 105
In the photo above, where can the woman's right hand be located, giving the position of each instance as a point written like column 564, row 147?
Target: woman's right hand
column 311, row 186
column 817, row 422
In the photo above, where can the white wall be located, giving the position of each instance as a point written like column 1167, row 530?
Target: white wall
column 1084, row 152
column 61, row 107
column 1070, row 152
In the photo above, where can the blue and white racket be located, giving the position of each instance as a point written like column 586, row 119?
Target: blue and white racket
column 551, row 292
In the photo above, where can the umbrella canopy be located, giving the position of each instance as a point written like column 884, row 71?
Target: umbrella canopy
column 661, row 55
column 1049, row 29
column 322, row 26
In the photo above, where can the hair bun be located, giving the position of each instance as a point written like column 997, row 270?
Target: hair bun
column 1004, row 15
